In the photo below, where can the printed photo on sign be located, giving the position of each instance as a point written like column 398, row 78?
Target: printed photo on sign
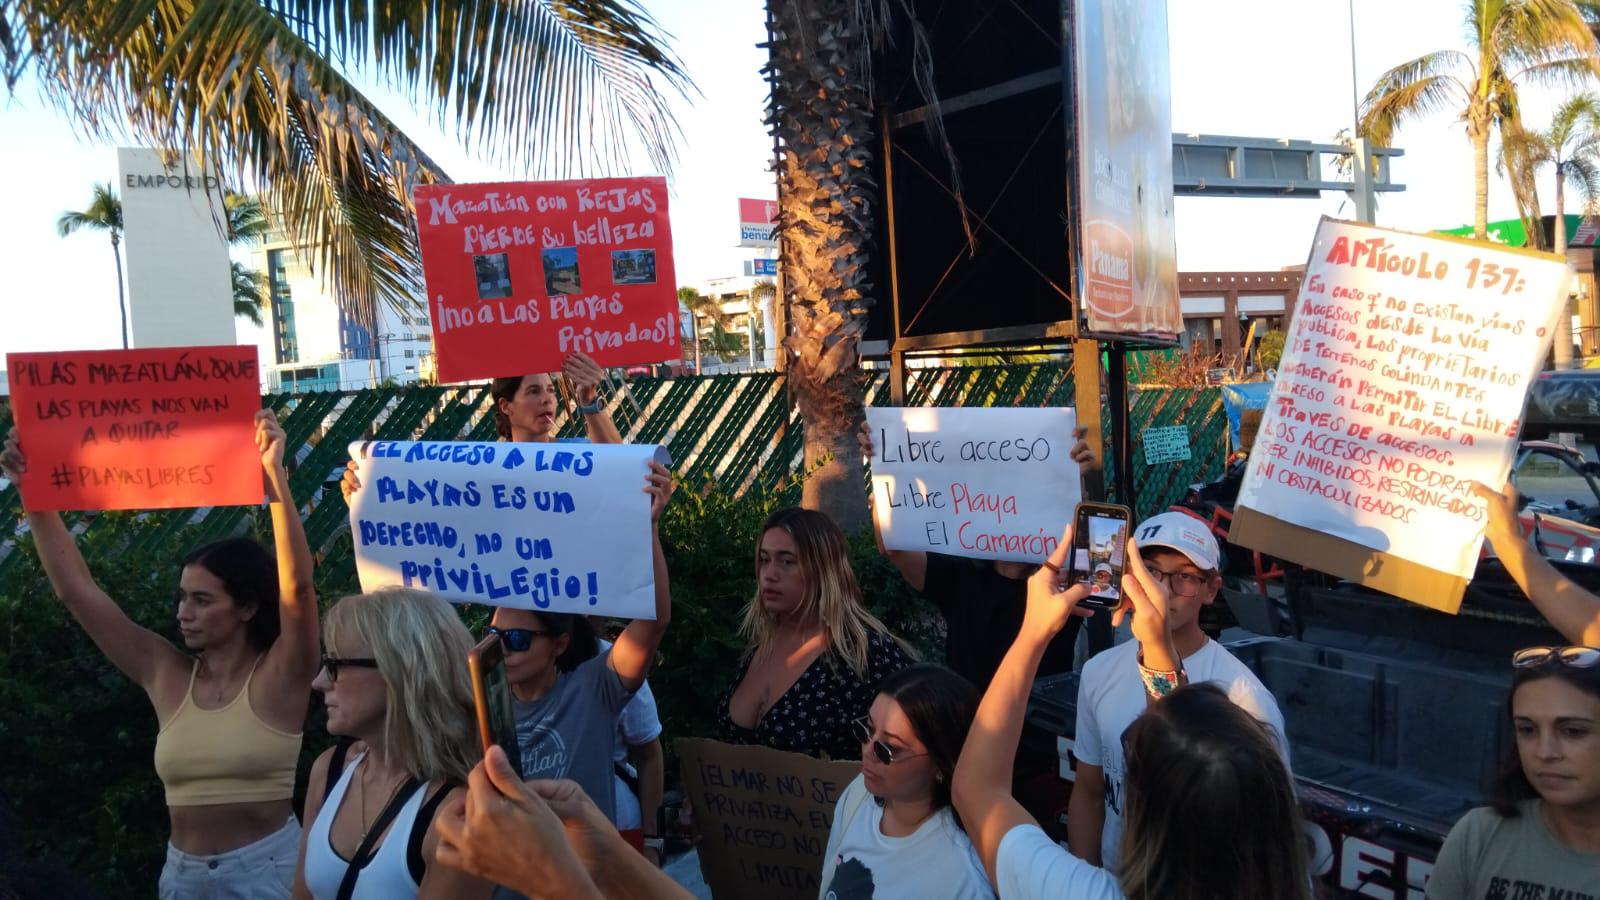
column 1103, row 560
column 561, row 271
column 494, row 276
column 633, row 266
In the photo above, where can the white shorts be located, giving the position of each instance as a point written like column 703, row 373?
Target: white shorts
column 263, row 870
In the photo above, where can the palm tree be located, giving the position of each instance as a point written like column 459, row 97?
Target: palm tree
column 104, row 213
column 1571, row 147
column 247, row 298
column 264, row 91
column 1512, row 42
column 700, row 306
column 763, row 300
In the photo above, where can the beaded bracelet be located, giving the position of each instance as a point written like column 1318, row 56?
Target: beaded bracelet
column 1157, row 683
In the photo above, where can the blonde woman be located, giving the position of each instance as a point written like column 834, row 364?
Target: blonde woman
column 814, row 656
column 394, row 679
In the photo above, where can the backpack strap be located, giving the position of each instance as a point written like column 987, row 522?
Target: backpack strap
column 336, row 765
column 419, row 830
column 368, row 848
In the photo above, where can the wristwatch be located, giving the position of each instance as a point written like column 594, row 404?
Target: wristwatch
column 590, row 409
column 659, row 845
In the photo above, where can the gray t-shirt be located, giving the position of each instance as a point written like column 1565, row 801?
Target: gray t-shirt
column 1489, row 857
column 571, row 731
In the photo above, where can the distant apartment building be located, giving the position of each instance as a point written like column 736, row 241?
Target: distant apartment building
column 316, row 344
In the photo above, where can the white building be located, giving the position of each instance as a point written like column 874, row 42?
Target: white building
column 180, row 289
column 314, row 345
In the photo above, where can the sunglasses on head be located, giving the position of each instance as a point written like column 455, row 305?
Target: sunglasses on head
column 1572, row 657
column 332, row 664
column 885, row 753
column 518, row 640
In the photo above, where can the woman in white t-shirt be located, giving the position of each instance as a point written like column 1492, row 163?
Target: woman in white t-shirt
column 894, row 834
column 1202, row 774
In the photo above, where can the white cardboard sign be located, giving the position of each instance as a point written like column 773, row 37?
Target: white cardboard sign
column 1403, row 379
column 986, row 483
column 552, row 526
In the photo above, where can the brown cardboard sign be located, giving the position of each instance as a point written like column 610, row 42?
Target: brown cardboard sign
column 1347, row 559
column 763, row 817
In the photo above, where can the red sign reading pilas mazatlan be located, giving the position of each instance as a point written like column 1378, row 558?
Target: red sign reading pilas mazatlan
column 522, row 274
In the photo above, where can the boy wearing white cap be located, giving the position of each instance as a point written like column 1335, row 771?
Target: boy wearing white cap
column 1182, row 554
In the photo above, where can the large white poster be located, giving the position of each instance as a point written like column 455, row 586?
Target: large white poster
column 558, row 527
column 1407, row 366
column 982, row 483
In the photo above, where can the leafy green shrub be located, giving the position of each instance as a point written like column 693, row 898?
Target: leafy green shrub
column 77, row 738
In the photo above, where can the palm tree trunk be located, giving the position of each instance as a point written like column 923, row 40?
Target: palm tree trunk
column 1562, row 346
column 821, row 115
column 122, row 303
column 1478, row 130
column 694, row 322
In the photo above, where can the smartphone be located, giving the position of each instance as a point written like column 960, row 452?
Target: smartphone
column 1099, row 552
column 491, row 694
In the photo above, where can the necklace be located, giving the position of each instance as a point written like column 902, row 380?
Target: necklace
column 366, row 827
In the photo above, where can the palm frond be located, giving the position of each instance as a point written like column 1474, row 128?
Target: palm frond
column 1413, row 89
column 1534, row 34
column 104, row 213
column 247, row 298
column 1583, row 173
column 255, row 89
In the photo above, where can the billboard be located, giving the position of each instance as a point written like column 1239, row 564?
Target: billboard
column 1126, row 254
column 758, row 223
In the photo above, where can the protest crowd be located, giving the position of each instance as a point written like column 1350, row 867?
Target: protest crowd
column 1183, row 787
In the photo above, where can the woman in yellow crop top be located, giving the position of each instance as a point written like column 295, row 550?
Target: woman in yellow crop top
column 231, row 701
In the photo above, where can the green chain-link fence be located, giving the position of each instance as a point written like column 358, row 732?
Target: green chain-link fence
column 735, row 429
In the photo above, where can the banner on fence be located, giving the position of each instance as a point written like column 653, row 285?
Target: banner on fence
column 1166, row 445
column 1407, row 366
column 138, row 429
column 522, row 274
column 558, row 527
column 763, row 816
column 986, row 483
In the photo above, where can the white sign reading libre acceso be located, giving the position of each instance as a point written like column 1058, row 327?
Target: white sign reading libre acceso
column 980, row 483
column 553, row 526
column 1403, row 380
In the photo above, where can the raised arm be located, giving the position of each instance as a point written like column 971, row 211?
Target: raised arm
column 913, row 564
column 982, row 785
column 137, row 652
column 1572, row 610
column 585, row 375
column 635, row 650
column 294, row 656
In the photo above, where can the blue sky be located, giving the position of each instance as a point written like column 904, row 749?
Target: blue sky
column 1262, row 68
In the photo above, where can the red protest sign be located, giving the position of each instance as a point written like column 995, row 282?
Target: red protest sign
column 522, row 274
column 138, row 429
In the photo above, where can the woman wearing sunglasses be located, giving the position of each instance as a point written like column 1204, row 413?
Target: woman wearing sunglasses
column 1540, row 835
column 894, row 834
column 231, row 701
column 567, row 694
column 395, row 684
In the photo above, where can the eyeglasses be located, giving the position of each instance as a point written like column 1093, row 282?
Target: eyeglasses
column 1572, row 657
column 332, row 664
column 518, row 640
column 885, row 753
column 1184, row 584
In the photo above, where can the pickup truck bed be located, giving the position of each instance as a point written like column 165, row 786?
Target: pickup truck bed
column 1387, row 752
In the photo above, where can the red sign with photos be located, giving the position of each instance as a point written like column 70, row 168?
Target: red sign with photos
column 522, row 274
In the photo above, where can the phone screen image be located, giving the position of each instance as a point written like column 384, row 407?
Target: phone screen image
column 1100, row 555
column 497, row 719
